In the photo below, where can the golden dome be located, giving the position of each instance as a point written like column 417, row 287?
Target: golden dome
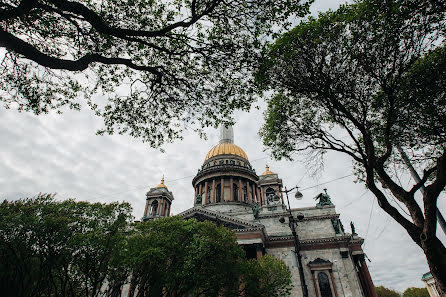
column 267, row 171
column 161, row 185
column 226, row 149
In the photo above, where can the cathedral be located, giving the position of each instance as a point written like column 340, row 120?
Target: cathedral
column 325, row 261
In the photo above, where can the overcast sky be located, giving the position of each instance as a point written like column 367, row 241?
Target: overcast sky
column 61, row 154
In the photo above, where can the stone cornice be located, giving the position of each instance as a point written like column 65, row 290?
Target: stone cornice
column 281, row 214
column 341, row 239
column 222, row 170
column 212, row 214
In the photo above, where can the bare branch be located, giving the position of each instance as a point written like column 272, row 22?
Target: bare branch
column 21, row 47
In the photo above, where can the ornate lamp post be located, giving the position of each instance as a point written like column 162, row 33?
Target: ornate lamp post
column 292, row 222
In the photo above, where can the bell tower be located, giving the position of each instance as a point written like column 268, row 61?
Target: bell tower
column 270, row 188
column 158, row 202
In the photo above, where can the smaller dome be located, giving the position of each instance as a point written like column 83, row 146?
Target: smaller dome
column 161, row 185
column 226, row 149
column 267, row 171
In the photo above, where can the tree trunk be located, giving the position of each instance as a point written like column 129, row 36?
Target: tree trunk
column 436, row 258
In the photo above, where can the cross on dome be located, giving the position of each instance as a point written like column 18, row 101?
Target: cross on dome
column 161, row 185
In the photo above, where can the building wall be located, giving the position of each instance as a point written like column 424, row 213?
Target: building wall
column 316, row 225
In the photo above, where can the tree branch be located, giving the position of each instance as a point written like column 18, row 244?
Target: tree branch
column 21, row 47
column 98, row 23
column 413, row 231
column 23, row 8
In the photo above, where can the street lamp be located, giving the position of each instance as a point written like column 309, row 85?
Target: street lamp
column 292, row 223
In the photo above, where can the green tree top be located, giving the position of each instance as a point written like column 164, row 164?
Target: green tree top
column 385, row 292
column 416, row 292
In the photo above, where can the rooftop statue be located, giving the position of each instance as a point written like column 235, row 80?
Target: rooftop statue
column 324, row 199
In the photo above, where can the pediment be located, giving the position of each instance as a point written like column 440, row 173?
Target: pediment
column 320, row 264
column 220, row 219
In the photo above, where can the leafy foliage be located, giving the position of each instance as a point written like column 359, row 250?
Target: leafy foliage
column 186, row 258
column 367, row 80
column 385, row 292
column 416, row 292
column 52, row 248
column 155, row 63
column 69, row 248
column 267, row 277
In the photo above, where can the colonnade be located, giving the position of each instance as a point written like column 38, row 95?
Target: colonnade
column 157, row 207
column 240, row 189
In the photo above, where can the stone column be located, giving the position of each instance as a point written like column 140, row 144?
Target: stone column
column 222, row 190
column 168, row 212
column 205, row 193
column 240, row 190
column 333, row 282
column 147, row 208
column 259, row 251
column 262, row 192
column 258, row 196
column 158, row 207
column 316, row 287
column 248, row 197
column 231, row 180
column 163, row 208
column 213, row 198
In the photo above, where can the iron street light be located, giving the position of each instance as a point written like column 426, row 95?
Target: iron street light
column 292, row 223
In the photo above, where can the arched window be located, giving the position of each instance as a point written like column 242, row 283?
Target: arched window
column 324, row 285
column 154, row 208
column 218, row 193
column 245, row 194
column 270, row 194
column 208, row 195
column 235, row 187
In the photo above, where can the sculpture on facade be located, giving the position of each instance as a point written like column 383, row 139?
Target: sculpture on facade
column 324, row 199
column 336, row 227
column 256, row 210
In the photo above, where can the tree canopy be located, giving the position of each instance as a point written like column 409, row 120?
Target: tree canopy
column 60, row 248
column 367, row 80
column 145, row 66
column 385, row 292
column 69, row 248
column 415, row 292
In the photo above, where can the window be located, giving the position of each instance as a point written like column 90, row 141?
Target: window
column 218, row 193
column 324, row 285
column 235, row 187
column 208, row 195
column 154, row 208
column 270, row 195
column 245, row 193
